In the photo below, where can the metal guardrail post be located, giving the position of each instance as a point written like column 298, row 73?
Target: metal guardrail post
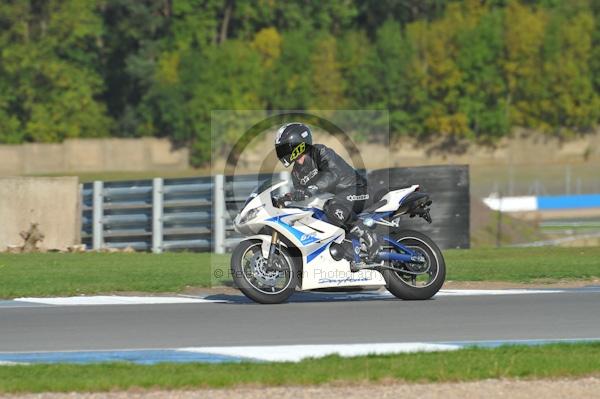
column 157, row 215
column 219, row 214
column 97, row 215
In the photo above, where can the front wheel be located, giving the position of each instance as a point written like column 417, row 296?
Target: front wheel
column 256, row 280
column 416, row 281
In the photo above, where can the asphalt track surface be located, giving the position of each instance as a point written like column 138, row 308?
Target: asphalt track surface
column 306, row 319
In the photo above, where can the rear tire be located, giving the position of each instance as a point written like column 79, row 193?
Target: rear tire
column 403, row 286
column 249, row 275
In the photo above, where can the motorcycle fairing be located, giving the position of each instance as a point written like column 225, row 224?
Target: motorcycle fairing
column 304, row 238
column 394, row 198
column 311, row 236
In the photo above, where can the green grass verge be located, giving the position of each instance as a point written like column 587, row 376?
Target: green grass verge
column 559, row 360
column 523, row 265
column 89, row 273
column 54, row 274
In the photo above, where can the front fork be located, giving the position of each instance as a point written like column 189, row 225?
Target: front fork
column 272, row 248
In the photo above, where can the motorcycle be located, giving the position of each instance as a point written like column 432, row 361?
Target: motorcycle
column 290, row 245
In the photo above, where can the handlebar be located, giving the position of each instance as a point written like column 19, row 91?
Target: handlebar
column 285, row 201
column 280, row 201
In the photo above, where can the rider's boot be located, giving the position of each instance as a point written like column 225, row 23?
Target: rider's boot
column 373, row 246
column 369, row 238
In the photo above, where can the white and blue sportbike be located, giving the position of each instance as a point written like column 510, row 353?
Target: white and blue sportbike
column 291, row 245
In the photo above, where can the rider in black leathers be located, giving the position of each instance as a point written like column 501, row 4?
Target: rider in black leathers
column 318, row 168
column 322, row 170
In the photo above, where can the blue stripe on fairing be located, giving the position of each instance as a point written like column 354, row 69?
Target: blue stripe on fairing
column 133, row 356
column 569, row 201
column 298, row 234
column 295, row 232
column 316, row 253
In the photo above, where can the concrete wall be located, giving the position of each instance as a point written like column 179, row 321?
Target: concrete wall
column 523, row 147
column 92, row 155
column 52, row 202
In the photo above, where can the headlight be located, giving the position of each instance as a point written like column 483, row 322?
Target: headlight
column 251, row 214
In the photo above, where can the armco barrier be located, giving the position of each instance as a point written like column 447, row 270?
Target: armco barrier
column 196, row 213
column 152, row 215
column 165, row 214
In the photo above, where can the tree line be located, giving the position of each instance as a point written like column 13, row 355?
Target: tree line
column 465, row 69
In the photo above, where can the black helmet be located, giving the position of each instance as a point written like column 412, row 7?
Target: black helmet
column 292, row 140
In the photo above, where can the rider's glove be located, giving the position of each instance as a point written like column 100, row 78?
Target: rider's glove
column 298, row 195
column 280, row 201
column 310, row 191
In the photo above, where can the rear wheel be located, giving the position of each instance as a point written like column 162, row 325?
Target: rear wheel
column 412, row 281
column 256, row 280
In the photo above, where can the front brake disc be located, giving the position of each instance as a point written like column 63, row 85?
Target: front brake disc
column 266, row 277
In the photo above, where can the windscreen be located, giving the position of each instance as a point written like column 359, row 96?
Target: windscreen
column 261, row 187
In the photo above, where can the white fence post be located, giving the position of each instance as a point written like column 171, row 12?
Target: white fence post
column 97, row 215
column 219, row 214
column 157, row 215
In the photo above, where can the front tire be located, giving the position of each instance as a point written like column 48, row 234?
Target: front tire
column 250, row 275
column 432, row 275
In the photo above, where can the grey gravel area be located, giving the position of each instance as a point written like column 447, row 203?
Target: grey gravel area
column 489, row 389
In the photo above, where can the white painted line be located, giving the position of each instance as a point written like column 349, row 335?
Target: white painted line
column 3, row 363
column 296, row 353
column 115, row 300
column 154, row 300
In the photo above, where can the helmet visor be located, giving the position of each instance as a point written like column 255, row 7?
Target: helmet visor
column 283, row 153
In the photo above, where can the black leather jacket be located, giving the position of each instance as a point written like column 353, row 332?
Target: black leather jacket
column 325, row 169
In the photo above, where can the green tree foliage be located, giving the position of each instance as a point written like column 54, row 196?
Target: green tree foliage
column 595, row 55
column 483, row 90
column 334, row 16
column 523, row 65
column 48, row 75
column 571, row 101
column 442, row 78
column 373, row 12
column 289, row 85
column 133, row 43
column 327, row 84
column 464, row 69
